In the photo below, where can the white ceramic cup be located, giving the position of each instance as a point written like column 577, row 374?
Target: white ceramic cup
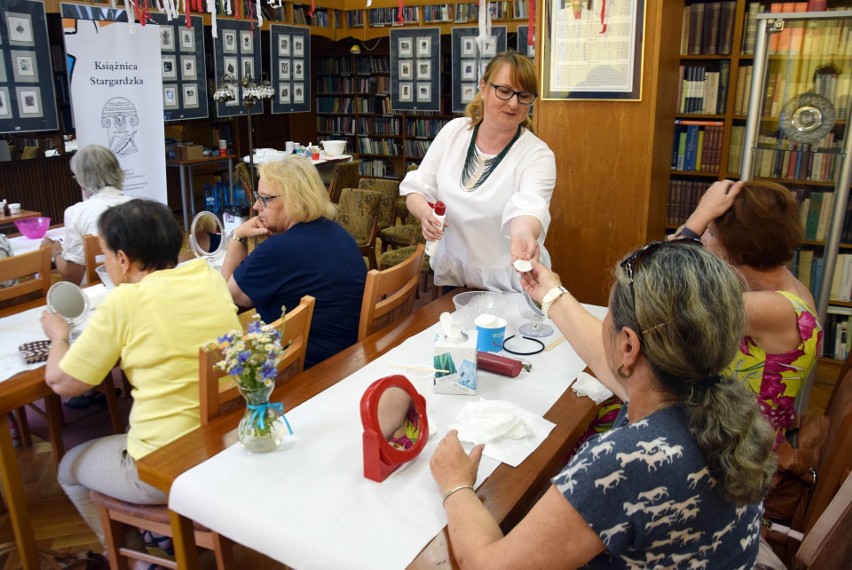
column 15, row 208
column 289, row 146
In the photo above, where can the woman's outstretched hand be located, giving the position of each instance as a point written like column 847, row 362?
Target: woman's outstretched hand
column 539, row 281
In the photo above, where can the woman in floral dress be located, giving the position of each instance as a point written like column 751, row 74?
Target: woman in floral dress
column 755, row 226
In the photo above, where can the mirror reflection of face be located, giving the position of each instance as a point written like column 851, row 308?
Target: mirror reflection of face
column 207, row 231
column 111, row 263
column 397, row 416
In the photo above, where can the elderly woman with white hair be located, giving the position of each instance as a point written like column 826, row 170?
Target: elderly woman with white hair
column 101, row 178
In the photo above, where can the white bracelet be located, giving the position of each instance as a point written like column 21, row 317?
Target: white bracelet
column 551, row 298
column 453, row 490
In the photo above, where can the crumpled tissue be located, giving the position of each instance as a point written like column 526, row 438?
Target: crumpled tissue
column 509, row 432
column 588, row 385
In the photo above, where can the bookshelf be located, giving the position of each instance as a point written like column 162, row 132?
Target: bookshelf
column 353, row 102
column 797, row 134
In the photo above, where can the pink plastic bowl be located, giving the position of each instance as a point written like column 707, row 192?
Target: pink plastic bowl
column 33, row 228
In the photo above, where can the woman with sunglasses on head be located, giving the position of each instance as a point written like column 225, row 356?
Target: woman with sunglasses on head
column 755, row 227
column 305, row 253
column 495, row 178
column 681, row 475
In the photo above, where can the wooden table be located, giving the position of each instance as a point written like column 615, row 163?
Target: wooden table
column 185, row 167
column 22, row 215
column 507, row 493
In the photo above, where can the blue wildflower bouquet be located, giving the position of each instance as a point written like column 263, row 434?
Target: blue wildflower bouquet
column 252, row 358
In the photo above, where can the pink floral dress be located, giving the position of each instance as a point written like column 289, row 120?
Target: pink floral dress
column 778, row 378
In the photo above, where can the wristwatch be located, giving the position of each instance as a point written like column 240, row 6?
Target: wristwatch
column 551, row 298
column 233, row 236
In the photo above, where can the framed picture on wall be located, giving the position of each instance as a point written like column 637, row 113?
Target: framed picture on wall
column 284, row 69
column 406, row 69
column 424, row 69
column 167, row 38
column 5, row 109
column 190, row 95
column 187, row 68
column 468, row 47
column 468, row 69
column 29, row 101
column 284, row 45
column 405, row 92
column 247, row 67
column 20, row 29
column 170, row 97
column 229, row 66
column 187, row 40
column 298, row 93
column 424, row 92
column 298, row 69
column 24, row 66
column 468, row 90
column 246, row 42
column 169, row 67
column 404, row 45
column 489, row 47
column 298, row 46
column 424, row 46
column 229, row 41
column 284, row 93
column 2, row 70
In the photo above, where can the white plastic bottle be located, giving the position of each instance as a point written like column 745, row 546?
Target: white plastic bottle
column 439, row 211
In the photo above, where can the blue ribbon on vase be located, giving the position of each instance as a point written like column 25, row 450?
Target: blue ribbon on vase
column 259, row 413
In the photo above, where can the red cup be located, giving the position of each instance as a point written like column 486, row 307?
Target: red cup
column 223, row 152
column 315, row 156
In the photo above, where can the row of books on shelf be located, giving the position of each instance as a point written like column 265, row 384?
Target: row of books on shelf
column 329, row 124
column 810, row 37
column 697, row 146
column 836, row 340
column 708, row 28
column 388, row 126
column 335, row 105
column 815, row 213
column 809, row 268
column 376, row 168
column 302, row 16
column 333, row 66
column 703, row 91
column 416, row 148
column 683, row 198
column 815, row 78
column 374, row 85
column 743, row 90
column 424, row 127
column 335, row 84
column 774, row 158
column 373, row 64
column 376, row 105
column 368, row 145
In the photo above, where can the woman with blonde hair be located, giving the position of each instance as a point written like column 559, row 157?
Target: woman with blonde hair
column 680, row 477
column 305, row 252
column 495, row 178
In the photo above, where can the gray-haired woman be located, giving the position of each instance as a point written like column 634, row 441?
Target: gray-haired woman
column 679, row 478
column 101, row 178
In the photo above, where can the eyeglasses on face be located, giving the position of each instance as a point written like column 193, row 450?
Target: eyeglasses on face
column 265, row 199
column 633, row 261
column 504, row 93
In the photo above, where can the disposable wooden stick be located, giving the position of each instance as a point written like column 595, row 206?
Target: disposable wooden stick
column 555, row 343
column 418, row 367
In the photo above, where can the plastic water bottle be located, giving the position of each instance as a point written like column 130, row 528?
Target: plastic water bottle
column 209, row 198
column 439, row 211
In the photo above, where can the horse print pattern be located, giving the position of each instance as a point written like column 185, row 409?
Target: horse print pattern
column 647, row 492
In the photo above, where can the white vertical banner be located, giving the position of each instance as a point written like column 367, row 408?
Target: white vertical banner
column 117, row 97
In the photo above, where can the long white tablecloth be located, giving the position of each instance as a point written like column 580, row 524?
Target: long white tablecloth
column 17, row 329
column 308, row 505
column 22, row 244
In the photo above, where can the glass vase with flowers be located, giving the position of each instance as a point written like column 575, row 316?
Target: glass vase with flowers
column 252, row 361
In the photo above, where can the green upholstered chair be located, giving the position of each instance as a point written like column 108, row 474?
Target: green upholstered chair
column 389, row 189
column 358, row 213
column 345, row 175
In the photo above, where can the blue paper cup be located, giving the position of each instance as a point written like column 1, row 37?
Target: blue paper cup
column 490, row 332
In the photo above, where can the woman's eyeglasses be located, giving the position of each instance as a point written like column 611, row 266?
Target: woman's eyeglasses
column 264, row 199
column 504, row 93
column 632, row 262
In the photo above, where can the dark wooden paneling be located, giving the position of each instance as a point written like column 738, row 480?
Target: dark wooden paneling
column 42, row 184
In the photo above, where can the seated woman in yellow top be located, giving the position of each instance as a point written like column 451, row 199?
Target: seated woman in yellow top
column 152, row 323
column 755, row 227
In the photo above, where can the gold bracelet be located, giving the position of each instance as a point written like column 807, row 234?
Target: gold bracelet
column 453, row 490
column 65, row 340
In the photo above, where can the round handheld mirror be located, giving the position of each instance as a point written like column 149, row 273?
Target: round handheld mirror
column 396, row 428
column 205, row 236
column 68, row 300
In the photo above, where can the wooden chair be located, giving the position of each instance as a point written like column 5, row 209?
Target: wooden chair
column 827, row 544
column 389, row 189
column 358, row 213
column 389, row 294
column 116, row 514
column 32, row 270
column 92, row 249
column 345, row 175
column 215, row 395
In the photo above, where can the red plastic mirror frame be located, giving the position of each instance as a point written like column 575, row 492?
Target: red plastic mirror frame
column 380, row 457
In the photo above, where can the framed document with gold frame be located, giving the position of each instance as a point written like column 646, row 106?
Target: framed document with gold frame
column 592, row 53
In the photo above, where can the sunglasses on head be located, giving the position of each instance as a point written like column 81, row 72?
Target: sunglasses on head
column 634, row 260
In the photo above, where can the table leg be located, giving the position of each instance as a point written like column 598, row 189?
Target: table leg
column 13, row 491
column 183, row 198
column 231, row 182
column 191, row 190
column 183, row 538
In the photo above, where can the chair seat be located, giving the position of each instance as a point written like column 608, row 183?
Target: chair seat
column 401, row 235
column 397, row 256
column 153, row 513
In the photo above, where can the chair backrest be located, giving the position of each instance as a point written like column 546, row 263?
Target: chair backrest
column 345, row 175
column 246, row 317
column 244, row 176
column 215, row 395
column 389, row 189
column 828, row 544
column 358, row 213
column 92, row 249
column 389, row 294
column 32, row 270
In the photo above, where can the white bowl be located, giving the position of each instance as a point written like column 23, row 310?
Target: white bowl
column 334, row 148
column 104, row 276
column 471, row 304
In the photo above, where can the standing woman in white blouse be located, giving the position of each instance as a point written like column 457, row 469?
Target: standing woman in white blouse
column 495, row 178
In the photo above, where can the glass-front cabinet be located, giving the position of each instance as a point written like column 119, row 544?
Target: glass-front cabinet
column 796, row 133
